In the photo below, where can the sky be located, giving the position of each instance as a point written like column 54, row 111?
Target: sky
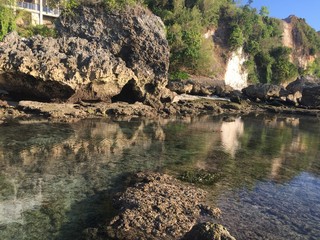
column 308, row 9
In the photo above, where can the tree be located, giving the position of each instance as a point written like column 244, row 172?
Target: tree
column 264, row 11
column 7, row 17
column 236, row 37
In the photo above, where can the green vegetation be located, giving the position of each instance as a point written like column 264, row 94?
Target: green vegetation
column 7, row 18
column 314, row 68
column 42, row 30
column 261, row 37
column 188, row 20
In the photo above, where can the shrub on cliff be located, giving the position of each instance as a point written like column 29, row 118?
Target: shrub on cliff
column 186, row 22
column 7, row 18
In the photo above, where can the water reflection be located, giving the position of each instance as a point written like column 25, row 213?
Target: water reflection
column 230, row 134
column 55, row 178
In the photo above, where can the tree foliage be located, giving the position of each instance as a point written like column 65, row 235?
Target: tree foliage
column 186, row 22
column 7, row 18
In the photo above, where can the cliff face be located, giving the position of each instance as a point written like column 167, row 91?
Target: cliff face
column 293, row 38
column 232, row 67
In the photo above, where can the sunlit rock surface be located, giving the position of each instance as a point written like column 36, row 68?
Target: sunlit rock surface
column 98, row 56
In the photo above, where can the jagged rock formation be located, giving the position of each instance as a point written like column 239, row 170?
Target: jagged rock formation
column 309, row 88
column 270, row 92
column 98, row 56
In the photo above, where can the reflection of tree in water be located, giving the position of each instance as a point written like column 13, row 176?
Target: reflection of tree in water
column 74, row 161
column 276, row 148
column 78, row 162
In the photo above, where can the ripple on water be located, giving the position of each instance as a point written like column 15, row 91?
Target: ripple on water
column 274, row 211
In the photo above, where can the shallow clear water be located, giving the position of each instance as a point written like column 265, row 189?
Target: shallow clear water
column 56, row 179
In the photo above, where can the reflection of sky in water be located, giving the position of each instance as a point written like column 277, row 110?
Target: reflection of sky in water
column 230, row 133
column 274, row 211
column 52, row 175
column 11, row 209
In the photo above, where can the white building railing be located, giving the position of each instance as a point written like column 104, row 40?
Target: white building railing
column 53, row 12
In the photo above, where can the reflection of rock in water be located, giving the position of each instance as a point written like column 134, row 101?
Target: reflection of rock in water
column 74, row 161
column 230, row 134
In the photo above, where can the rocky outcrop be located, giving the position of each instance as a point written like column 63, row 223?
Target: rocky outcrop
column 208, row 231
column 98, row 56
column 303, row 82
column 307, row 88
column 158, row 207
column 311, row 97
column 262, row 91
column 135, row 35
column 273, row 94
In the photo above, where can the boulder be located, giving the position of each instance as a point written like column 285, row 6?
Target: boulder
column 224, row 91
column 311, row 97
column 134, row 35
column 262, row 91
column 158, row 206
column 99, row 56
column 208, row 231
column 49, row 69
column 301, row 83
column 180, row 87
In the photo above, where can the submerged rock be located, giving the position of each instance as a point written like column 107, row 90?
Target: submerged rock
column 208, row 231
column 98, row 56
column 158, row 206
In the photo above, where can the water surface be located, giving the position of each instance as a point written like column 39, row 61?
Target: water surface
column 56, row 178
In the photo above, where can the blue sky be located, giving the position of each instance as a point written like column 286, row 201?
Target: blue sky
column 308, row 9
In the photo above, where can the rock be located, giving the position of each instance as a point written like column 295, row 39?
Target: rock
column 311, row 97
column 180, row 87
column 135, row 35
column 262, row 91
column 55, row 110
column 236, row 96
column 294, row 99
column 301, row 83
column 98, row 56
column 190, row 87
column 223, row 90
column 208, row 231
column 4, row 104
column 157, row 206
column 201, row 90
column 83, row 110
column 50, row 69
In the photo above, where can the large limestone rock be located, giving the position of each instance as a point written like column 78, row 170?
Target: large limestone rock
column 157, row 207
column 308, row 88
column 311, row 97
column 303, row 82
column 99, row 55
column 262, row 91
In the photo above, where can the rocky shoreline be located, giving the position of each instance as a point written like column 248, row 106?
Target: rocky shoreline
column 116, row 65
column 105, row 64
column 182, row 106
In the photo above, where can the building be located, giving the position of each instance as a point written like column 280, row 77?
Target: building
column 40, row 11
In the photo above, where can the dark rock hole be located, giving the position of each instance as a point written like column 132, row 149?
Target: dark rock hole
column 25, row 87
column 125, row 54
column 129, row 94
